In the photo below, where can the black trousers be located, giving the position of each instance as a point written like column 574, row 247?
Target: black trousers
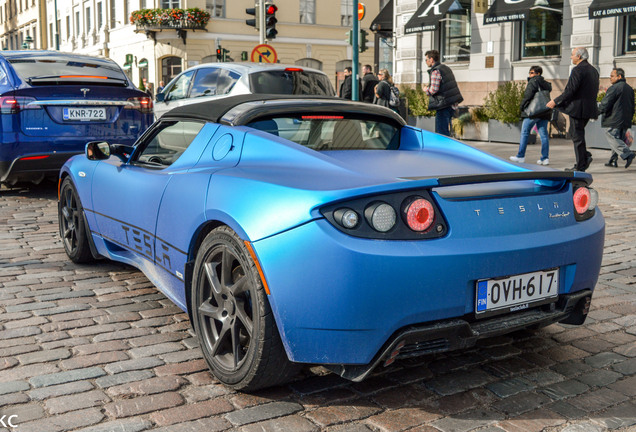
column 577, row 129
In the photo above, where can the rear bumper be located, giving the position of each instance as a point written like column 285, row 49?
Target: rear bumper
column 33, row 167
column 455, row 334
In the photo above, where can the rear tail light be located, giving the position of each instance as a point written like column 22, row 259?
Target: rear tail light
column 585, row 201
column 381, row 216
column 419, row 214
column 143, row 104
column 15, row 104
column 347, row 218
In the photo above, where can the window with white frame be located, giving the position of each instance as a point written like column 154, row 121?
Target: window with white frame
column 346, row 13
column 88, row 19
column 216, row 8
column 100, row 16
column 455, row 32
column 170, row 4
column 77, row 23
column 113, row 14
column 541, row 34
column 68, row 27
column 308, row 11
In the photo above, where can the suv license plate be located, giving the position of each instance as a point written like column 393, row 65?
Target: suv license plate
column 84, row 114
column 513, row 293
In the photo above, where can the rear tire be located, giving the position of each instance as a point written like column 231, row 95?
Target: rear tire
column 72, row 228
column 232, row 317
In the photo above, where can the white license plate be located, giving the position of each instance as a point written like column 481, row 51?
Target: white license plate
column 84, row 114
column 517, row 292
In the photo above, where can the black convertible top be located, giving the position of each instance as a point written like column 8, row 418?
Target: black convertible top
column 242, row 109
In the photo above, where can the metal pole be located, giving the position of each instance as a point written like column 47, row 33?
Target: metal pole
column 354, row 56
column 261, row 18
column 57, row 31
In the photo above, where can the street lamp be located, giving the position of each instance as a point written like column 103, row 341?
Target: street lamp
column 27, row 42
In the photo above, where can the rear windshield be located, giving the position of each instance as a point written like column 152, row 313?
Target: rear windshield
column 291, row 82
column 62, row 70
column 328, row 132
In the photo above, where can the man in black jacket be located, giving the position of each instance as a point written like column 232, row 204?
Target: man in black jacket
column 346, row 88
column 443, row 91
column 369, row 81
column 578, row 100
column 617, row 108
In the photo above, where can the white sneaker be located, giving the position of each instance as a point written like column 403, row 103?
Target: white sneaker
column 517, row 159
column 543, row 162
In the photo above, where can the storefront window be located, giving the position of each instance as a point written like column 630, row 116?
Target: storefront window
column 455, row 34
column 629, row 45
column 541, row 34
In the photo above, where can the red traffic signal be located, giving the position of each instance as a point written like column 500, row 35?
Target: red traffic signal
column 271, row 9
column 270, row 20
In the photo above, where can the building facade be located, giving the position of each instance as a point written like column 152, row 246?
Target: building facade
column 488, row 42
column 310, row 33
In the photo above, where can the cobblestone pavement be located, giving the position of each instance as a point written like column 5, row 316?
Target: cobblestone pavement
column 98, row 348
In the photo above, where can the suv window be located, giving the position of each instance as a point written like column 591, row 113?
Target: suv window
column 165, row 146
column 39, row 67
column 291, row 81
column 333, row 132
column 180, row 87
column 213, row 81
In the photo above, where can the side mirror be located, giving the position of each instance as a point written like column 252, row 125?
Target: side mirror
column 97, row 150
column 160, row 97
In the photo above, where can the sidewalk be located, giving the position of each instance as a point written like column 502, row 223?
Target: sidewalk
column 606, row 179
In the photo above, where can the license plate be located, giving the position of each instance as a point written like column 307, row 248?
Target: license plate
column 84, row 114
column 513, row 293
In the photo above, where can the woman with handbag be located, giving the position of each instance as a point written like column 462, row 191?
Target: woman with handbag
column 535, row 112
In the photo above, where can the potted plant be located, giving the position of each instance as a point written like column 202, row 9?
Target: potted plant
column 418, row 114
column 193, row 18
column 503, row 108
column 471, row 125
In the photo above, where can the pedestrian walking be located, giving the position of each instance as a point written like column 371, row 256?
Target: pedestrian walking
column 369, row 81
column 617, row 108
column 534, row 114
column 150, row 89
column 346, row 86
column 578, row 101
column 382, row 89
column 161, row 87
column 443, row 91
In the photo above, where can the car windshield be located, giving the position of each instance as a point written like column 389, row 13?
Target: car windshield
column 35, row 69
column 290, row 81
column 333, row 132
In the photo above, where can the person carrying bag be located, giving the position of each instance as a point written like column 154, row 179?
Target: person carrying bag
column 535, row 112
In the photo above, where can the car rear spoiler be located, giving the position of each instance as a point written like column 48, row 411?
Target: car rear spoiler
column 508, row 176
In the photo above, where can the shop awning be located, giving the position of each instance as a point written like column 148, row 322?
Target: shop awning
column 430, row 13
column 384, row 21
column 143, row 63
column 503, row 11
column 610, row 8
column 127, row 66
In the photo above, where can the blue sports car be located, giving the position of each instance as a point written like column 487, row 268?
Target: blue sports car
column 51, row 103
column 311, row 230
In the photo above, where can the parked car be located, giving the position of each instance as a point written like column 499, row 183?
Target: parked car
column 52, row 104
column 309, row 230
column 213, row 81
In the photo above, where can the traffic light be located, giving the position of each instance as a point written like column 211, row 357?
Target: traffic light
column 221, row 54
column 256, row 21
column 362, row 40
column 270, row 20
column 349, row 38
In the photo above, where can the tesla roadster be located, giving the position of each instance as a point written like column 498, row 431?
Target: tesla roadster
column 313, row 230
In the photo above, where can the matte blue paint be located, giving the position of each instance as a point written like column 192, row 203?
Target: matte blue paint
column 337, row 298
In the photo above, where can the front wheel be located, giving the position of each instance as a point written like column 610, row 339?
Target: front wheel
column 232, row 317
column 72, row 229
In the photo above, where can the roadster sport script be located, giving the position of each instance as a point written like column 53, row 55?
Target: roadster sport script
column 517, row 292
column 84, row 114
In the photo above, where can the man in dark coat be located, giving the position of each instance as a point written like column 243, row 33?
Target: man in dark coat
column 369, row 81
column 346, row 86
column 617, row 108
column 443, row 91
column 578, row 100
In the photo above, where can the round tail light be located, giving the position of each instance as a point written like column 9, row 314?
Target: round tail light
column 381, row 216
column 420, row 214
column 347, row 218
column 582, row 200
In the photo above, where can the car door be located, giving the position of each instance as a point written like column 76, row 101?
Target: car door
column 175, row 94
column 126, row 195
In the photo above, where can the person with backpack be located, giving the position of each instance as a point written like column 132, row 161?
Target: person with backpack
column 386, row 94
column 535, row 113
column 444, row 94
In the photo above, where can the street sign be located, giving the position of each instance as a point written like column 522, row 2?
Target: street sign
column 361, row 11
column 264, row 54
